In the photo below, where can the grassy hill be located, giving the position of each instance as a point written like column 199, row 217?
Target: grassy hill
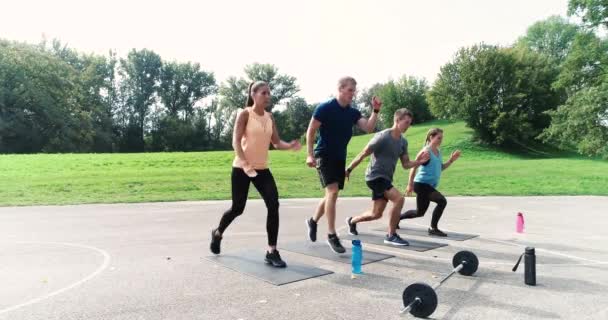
column 107, row 178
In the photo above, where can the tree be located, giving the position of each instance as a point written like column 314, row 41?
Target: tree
column 407, row 92
column 363, row 102
column 502, row 93
column 220, row 121
column 585, row 65
column 140, row 74
column 553, row 37
column 293, row 121
column 234, row 91
column 38, row 108
column 94, row 83
column 171, row 133
column 582, row 123
column 182, row 85
column 594, row 13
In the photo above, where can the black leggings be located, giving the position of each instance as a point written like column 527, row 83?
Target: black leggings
column 425, row 193
column 267, row 188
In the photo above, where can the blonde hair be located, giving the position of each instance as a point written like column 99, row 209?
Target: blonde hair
column 344, row 81
column 431, row 134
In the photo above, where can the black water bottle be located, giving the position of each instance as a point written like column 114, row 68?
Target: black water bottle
column 530, row 266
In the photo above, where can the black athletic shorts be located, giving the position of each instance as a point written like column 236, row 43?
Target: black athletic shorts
column 379, row 186
column 331, row 171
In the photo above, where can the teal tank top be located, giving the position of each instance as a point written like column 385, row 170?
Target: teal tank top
column 431, row 172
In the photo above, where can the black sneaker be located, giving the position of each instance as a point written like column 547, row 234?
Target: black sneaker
column 312, row 229
column 352, row 227
column 334, row 244
column 274, row 258
column 215, row 242
column 437, row 232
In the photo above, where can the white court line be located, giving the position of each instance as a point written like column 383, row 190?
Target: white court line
column 400, row 253
column 240, row 234
column 551, row 252
column 590, row 262
column 104, row 265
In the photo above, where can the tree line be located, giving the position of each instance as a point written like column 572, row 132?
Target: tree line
column 551, row 87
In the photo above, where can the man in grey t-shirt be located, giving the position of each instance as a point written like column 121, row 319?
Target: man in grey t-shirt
column 386, row 147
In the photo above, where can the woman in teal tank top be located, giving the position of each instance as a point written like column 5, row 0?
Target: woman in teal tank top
column 425, row 181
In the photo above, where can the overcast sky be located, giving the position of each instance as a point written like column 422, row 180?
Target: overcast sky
column 317, row 41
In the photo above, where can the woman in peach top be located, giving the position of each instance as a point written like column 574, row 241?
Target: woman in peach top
column 253, row 132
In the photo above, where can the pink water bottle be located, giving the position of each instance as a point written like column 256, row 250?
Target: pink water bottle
column 520, row 223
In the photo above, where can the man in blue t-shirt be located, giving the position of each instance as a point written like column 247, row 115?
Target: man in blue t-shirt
column 334, row 119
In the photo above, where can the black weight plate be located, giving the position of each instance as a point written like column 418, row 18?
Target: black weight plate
column 471, row 263
column 428, row 298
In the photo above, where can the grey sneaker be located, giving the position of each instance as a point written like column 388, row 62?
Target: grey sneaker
column 395, row 240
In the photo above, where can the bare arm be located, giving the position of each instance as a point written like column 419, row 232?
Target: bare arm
column 455, row 155
column 446, row 165
column 413, row 170
column 406, row 163
column 421, row 158
column 276, row 139
column 410, row 183
column 237, row 134
column 313, row 126
column 360, row 157
column 368, row 125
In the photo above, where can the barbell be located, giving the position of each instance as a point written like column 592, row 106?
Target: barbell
column 420, row 299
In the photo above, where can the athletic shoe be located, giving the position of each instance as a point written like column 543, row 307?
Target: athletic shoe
column 395, row 240
column 274, row 258
column 334, row 243
column 215, row 242
column 312, row 229
column 437, row 232
column 352, row 227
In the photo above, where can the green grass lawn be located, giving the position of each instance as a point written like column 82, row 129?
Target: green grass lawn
column 107, row 178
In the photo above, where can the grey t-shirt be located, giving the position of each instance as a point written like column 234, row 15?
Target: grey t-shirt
column 386, row 150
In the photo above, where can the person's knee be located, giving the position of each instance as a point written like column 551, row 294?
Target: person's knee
column 394, row 196
column 273, row 206
column 331, row 191
column 442, row 202
column 237, row 210
column 399, row 202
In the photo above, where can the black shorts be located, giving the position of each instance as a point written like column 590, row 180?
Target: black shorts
column 331, row 171
column 379, row 186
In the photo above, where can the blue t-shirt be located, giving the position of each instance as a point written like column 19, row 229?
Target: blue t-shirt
column 336, row 128
column 430, row 173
